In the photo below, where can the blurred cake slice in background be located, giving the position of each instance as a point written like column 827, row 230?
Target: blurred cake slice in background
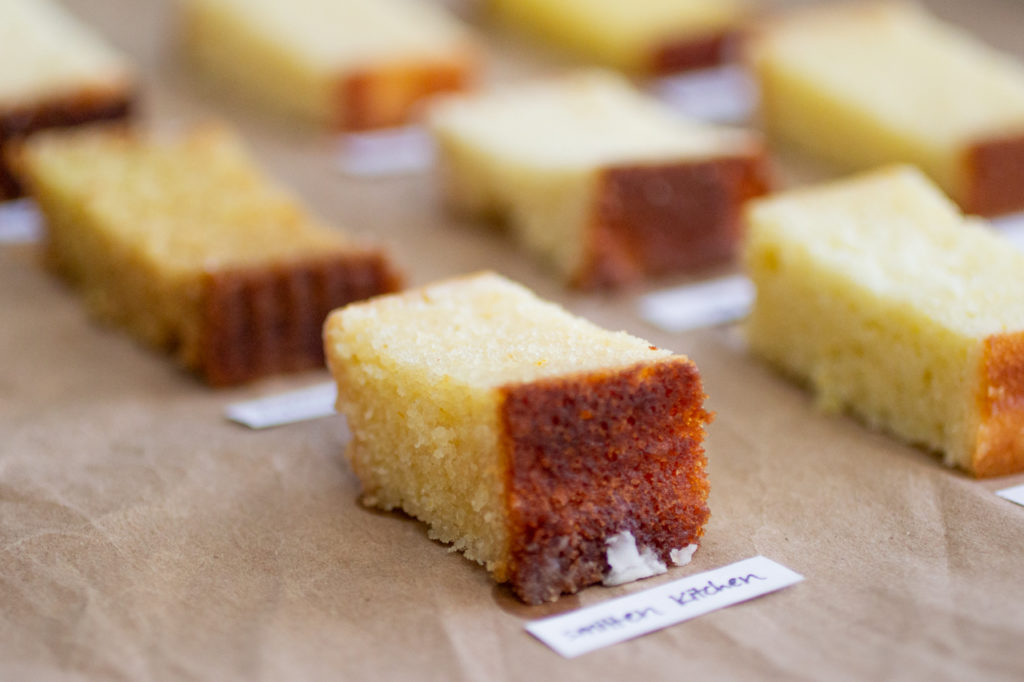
column 54, row 72
column 601, row 181
column 640, row 36
column 344, row 64
column 186, row 244
column 883, row 82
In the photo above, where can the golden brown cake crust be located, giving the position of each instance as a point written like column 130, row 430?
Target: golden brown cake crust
column 653, row 219
column 1000, row 445
column 697, row 52
column 389, row 96
column 597, row 454
column 86, row 106
column 994, row 172
column 263, row 320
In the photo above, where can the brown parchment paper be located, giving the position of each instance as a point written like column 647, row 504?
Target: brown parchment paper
column 144, row 537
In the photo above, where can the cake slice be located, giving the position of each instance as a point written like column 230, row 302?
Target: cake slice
column 879, row 294
column 603, row 182
column 878, row 82
column 642, row 36
column 184, row 243
column 349, row 65
column 54, row 72
column 554, row 452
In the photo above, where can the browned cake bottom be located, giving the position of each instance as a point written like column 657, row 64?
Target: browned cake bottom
column 697, row 52
column 650, row 220
column 389, row 96
column 995, row 176
column 266, row 320
column 1000, row 447
column 595, row 455
column 87, row 106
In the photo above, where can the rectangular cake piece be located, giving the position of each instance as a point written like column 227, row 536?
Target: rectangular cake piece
column 54, row 72
column 642, row 36
column 878, row 293
column 871, row 83
column 603, row 182
column 554, row 452
column 187, row 245
column 349, row 65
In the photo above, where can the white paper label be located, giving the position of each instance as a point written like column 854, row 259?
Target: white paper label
column 1014, row 494
column 377, row 154
column 704, row 304
column 1012, row 227
column 20, row 222
column 595, row 627
column 725, row 94
column 285, row 408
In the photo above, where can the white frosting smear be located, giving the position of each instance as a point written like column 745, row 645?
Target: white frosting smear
column 681, row 557
column 627, row 563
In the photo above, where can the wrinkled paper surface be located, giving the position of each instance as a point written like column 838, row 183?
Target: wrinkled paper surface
column 143, row 536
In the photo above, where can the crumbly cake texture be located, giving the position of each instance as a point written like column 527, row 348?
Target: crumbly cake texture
column 601, row 181
column 55, row 73
column 352, row 65
column 536, row 443
column 642, row 36
column 187, row 245
column 925, row 93
column 878, row 293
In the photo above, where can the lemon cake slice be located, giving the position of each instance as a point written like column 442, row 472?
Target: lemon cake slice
column 644, row 36
column 554, row 452
column 878, row 82
column 348, row 65
column 186, row 244
column 602, row 181
column 877, row 292
column 54, row 72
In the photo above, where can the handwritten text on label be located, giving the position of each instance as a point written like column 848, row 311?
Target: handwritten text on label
column 618, row 620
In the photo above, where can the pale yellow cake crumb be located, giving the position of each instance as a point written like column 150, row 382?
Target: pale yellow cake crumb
column 889, row 303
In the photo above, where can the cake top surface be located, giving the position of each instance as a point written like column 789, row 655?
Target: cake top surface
column 334, row 34
column 45, row 52
column 580, row 121
column 190, row 203
column 894, row 233
column 644, row 20
column 903, row 65
column 483, row 331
